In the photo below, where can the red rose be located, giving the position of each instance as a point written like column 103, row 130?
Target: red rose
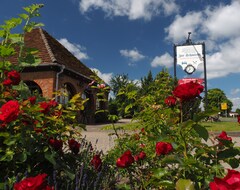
column 230, row 182
column 38, row 182
column 219, row 184
column 9, row 111
column 32, row 99
column 223, row 136
column 45, row 107
column 7, row 82
column 96, row 162
column 163, row 148
column 52, row 103
column 188, row 91
column 140, row 156
column 125, row 160
column 74, row 146
column 14, row 76
column 170, row 101
column 56, row 144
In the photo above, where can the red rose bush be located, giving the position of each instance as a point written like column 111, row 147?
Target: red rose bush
column 38, row 182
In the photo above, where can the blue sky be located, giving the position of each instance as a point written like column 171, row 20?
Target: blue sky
column 135, row 36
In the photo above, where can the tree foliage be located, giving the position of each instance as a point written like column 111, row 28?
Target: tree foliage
column 215, row 97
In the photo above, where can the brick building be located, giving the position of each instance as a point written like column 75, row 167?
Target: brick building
column 59, row 70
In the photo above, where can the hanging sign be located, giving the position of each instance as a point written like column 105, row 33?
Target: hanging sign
column 186, row 80
column 189, row 57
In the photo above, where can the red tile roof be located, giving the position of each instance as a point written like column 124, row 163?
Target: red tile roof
column 52, row 51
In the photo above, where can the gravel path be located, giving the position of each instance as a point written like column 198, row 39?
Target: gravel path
column 103, row 140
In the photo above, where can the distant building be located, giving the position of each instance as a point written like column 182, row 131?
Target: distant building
column 59, row 70
column 233, row 114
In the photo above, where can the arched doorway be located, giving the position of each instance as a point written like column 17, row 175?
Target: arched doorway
column 33, row 87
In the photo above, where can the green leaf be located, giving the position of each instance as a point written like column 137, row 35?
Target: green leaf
column 184, row 184
column 6, row 51
column 202, row 131
column 159, row 173
column 29, row 60
column 8, row 156
column 69, row 173
column 50, row 156
column 22, row 157
column 13, row 22
column 4, row 134
column 10, row 141
column 123, row 187
column 128, row 107
column 228, row 153
column 233, row 162
column 24, row 16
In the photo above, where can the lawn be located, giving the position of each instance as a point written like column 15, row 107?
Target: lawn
column 210, row 126
column 221, row 126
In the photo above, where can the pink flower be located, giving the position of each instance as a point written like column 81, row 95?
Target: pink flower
column 125, row 160
column 101, row 86
column 9, row 111
column 163, row 148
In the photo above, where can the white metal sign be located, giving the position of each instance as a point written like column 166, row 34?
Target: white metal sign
column 189, row 57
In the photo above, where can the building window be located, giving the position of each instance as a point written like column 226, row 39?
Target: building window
column 68, row 91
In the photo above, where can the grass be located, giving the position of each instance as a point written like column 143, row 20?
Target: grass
column 210, row 126
column 127, row 126
column 221, row 126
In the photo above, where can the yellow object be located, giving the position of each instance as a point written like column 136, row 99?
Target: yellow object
column 224, row 106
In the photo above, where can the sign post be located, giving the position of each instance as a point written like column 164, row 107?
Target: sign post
column 189, row 55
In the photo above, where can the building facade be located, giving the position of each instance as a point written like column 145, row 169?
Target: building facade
column 59, row 70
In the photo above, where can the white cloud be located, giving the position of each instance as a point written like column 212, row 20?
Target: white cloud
column 180, row 27
column 134, row 55
column 76, row 49
column 236, row 103
column 225, row 61
column 133, row 9
column 137, row 82
column 223, row 21
column 163, row 60
column 235, row 91
column 219, row 27
column 106, row 77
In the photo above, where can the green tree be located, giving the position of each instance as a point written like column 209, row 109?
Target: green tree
column 146, row 83
column 215, row 97
column 119, row 81
column 238, row 111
